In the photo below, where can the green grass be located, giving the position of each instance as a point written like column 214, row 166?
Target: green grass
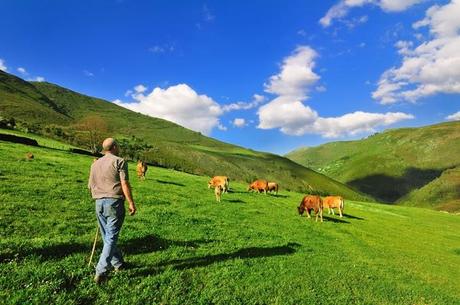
column 411, row 166
column 187, row 249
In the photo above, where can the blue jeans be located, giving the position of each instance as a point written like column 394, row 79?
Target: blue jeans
column 110, row 214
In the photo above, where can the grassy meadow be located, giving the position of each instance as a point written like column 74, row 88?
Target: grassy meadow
column 408, row 166
column 184, row 248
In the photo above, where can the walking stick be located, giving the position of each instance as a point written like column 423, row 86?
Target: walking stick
column 94, row 247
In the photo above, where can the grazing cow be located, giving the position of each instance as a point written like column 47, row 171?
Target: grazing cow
column 273, row 187
column 218, row 192
column 332, row 202
column 141, row 169
column 259, row 186
column 223, row 181
column 29, row 156
column 311, row 202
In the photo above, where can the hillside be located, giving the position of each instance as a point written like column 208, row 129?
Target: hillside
column 58, row 112
column 413, row 166
column 184, row 248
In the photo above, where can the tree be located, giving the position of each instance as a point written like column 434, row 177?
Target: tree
column 95, row 130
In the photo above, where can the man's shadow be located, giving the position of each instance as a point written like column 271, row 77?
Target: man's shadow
column 245, row 253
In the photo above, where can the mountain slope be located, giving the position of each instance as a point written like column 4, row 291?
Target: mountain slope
column 57, row 112
column 415, row 166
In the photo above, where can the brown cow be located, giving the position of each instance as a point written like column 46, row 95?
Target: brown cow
column 29, row 156
column 223, row 181
column 273, row 187
column 311, row 202
column 332, row 202
column 141, row 169
column 218, row 192
column 259, row 186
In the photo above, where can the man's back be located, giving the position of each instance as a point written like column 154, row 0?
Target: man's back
column 106, row 176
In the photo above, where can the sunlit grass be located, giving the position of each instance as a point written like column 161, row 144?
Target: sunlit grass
column 185, row 248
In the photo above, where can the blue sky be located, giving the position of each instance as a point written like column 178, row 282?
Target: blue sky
column 268, row 75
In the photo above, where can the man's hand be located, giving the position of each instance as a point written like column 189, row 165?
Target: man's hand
column 132, row 209
column 127, row 192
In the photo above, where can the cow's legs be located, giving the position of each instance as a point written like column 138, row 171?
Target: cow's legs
column 332, row 209
column 308, row 213
column 340, row 212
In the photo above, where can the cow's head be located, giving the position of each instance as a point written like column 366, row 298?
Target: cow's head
column 300, row 209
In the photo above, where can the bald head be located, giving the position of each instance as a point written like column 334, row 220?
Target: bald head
column 110, row 145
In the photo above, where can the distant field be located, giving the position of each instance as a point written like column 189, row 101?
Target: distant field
column 187, row 249
column 410, row 166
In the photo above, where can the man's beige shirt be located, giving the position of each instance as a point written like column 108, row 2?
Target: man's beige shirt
column 106, row 176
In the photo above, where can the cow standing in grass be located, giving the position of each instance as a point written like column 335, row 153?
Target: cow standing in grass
column 222, row 181
column 259, row 186
column 141, row 169
column 333, row 202
column 273, row 187
column 311, row 202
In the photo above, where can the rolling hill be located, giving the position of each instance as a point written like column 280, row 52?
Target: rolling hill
column 412, row 166
column 58, row 112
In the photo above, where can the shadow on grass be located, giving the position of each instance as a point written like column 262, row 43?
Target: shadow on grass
column 169, row 182
column 153, row 243
column 389, row 189
column 278, row 195
column 352, row 217
column 235, row 201
column 145, row 244
column 336, row 220
column 51, row 252
column 245, row 253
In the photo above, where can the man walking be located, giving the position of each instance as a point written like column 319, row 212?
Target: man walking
column 109, row 185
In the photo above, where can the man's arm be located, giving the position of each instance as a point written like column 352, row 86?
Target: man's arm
column 127, row 192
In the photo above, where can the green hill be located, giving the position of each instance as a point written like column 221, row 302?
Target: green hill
column 184, row 248
column 62, row 114
column 413, row 166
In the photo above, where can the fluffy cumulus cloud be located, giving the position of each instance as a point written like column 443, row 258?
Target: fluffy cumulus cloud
column 257, row 99
column 454, row 116
column 296, row 75
column 341, row 9
column 3, row 65
column 288, row 112
column 179, row 104
column 239, row 122
column 355, row 123
column 22, row 70
column 431, row 67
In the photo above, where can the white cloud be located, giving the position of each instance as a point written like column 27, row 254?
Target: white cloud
column 179, row 104
column 296, row 75
column 221, row 127
column 3, row 65
column 288, row 112
column 256, row 101
column 291, row 116
column 321, row 88
column 342, row 8
column 88, row 73
column 430, row 68
column 355, row 123
column 39, row 79
column 239, row 122
column 22, row 70
column 162, row 48
column 454, row 116
column 140, row 88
